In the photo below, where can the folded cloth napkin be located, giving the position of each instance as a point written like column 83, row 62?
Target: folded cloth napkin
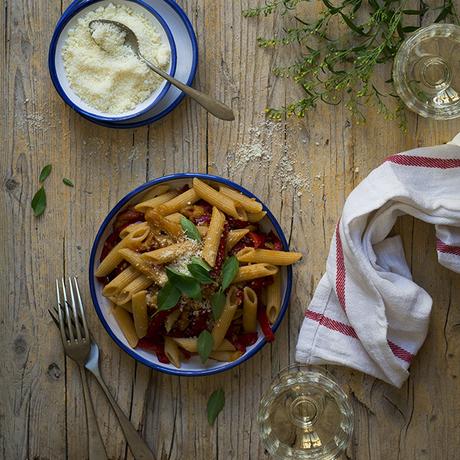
column 367, row 313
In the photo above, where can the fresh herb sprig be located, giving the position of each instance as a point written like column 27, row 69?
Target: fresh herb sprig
column 342, row 70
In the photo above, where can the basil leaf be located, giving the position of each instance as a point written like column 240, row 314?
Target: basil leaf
column 205, row 344
column 186, row 284
column 216, row 403
column 45, row 173
column 168, row 296
column 218, row 304
column 199, row 273
column 200, row 261
column 229, row 271
column 190, row 229
column 67, row 182
column 39, row 202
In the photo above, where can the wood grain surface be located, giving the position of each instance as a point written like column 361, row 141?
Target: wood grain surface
column 41, row 405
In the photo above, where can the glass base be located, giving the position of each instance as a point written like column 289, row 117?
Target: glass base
column 305, row 415
column 426, row 71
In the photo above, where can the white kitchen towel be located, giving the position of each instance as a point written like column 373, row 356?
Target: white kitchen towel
column 367, row 313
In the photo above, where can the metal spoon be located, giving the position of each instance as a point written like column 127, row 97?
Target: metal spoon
column 218, row 109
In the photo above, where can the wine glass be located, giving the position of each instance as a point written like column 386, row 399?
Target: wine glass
column 305, row 415
column 426, row 71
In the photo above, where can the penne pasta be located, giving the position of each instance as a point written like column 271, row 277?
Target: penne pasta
column 139, row 310
column 212, row 240
column 140, row 283
column 269, row 256
column 234, row 236
column 256, row 217
column 150, row 270
column 172, row 351
column 273, row 299
column 187, row 343
column 252, row 272
column 249, row 204
column 175, row 217
column 191, row 344
column 203, row 229
column 171, row 319
column 113, row 258
column 154, row 202
column 157, row 220
column 134, row 228
column 249, row 310
column 225, row 355
column 184, row 199
column 168, row 253
column 128, row 307
column 113, row 288
column 218, row 199
column 155, row 191
column 124, row 321
column 223, row 323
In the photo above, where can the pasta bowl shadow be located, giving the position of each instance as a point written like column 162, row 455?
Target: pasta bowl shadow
column 104, row 308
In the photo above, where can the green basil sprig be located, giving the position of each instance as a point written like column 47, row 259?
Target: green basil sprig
column 168, row 296
column 229, row 271
column 190, row 229
column 218, row 304
column 216, row 403
column 186, row 284
column 45, row 172
column 205, row 344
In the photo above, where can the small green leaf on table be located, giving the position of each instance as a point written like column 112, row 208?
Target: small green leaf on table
column 45, row 172
column 216, row 403
column 67, row 182
column 39, row 202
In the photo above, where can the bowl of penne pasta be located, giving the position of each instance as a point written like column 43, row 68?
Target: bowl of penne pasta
column 191, row 274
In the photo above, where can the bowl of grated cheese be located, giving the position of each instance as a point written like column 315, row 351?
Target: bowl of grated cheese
column 100, row 77
column 129, row 213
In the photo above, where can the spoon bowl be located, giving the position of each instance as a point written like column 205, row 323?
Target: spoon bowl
column 213, row 106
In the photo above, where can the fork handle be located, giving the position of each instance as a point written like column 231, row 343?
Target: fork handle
column 138, row 447
column 96, row 449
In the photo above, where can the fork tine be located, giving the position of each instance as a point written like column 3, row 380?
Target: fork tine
column 61, row 319
column 82, row 310
column 74, row 309
column 67, row 312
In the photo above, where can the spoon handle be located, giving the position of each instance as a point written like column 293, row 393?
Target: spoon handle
column 218, row 109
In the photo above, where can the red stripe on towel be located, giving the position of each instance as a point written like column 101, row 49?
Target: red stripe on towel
column 447, row 248
column 346, row 329
column 340, row 274
column 424, row 162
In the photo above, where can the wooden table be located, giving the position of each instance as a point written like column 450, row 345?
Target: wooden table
column 42, row 413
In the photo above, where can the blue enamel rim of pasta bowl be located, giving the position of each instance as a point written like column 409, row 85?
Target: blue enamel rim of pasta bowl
column 63, row 21
column 92, row 279
column 189, row 81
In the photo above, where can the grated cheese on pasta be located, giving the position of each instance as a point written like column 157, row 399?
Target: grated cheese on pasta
column 111, row 78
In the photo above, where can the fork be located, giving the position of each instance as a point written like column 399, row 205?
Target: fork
column 138, row 447
column 77, row 346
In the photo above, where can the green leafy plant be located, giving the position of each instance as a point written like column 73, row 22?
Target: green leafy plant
column 216, row 403
column 190, row 229
column 205, row 344
column 67, row 182
column 334, row 70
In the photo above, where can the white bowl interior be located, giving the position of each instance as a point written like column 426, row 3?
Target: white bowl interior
column 59, row 62
column 194, row 364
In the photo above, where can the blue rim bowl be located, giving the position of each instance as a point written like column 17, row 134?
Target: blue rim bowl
column 149, row 359
column 65, row 19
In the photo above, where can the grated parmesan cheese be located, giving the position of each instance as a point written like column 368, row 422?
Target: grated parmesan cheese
column 112, row 79
column 181, row 263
